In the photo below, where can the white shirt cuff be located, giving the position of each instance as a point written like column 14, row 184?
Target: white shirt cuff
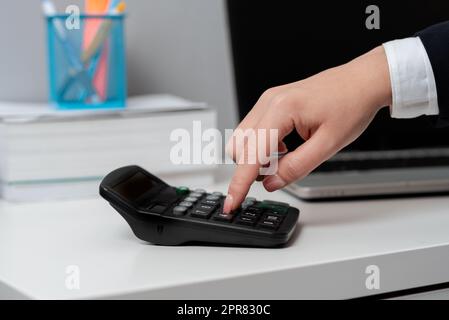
column 412, row 79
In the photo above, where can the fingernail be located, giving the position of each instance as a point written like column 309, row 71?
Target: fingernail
column 274, row 183
column 229, row 202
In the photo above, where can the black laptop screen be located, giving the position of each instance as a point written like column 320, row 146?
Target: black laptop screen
column 278, row 41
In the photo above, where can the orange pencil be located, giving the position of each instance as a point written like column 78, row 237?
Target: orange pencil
column 91, row 27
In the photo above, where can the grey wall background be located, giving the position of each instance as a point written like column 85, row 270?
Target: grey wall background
column 173, row 46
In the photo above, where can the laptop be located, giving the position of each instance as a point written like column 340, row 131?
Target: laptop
column 275, row 42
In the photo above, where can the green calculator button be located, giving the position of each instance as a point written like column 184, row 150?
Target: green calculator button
column 182, row 191
column 279, row 207
column 274, row 203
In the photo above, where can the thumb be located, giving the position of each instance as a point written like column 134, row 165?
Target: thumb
column 298, row 164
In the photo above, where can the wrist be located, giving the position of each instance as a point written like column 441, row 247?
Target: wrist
column 374, row 78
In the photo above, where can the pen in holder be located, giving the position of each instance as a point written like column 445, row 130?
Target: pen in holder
column 87, row 75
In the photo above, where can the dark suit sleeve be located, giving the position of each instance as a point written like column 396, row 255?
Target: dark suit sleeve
column 436, row 42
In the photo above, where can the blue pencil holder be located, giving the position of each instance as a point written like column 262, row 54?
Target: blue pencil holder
column 82, row 76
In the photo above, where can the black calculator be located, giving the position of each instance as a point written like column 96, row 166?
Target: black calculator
column 166, row 215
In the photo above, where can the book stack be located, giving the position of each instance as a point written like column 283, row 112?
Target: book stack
column 47, row 154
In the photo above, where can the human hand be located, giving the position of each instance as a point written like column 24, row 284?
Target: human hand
column 329, row 111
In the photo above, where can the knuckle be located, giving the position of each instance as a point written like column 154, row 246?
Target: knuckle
column 291, row 170
column 270, row 92
column 282, row 101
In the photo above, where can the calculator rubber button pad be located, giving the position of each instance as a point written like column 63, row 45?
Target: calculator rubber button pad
column 203, row 206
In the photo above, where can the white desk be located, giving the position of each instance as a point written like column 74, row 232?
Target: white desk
column 408, row 239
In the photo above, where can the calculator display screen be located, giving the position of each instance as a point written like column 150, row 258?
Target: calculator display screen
column 135, row 186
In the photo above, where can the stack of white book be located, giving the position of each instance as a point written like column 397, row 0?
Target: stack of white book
column 47, row 154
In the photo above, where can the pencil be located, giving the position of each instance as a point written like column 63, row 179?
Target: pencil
column 101, row 35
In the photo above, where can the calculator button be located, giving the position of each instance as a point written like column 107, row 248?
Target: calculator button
column 251, row 215
column 275, row 219
column 158, row 209
column 217, row 194
column 247, row 204
column 191, row 199
column 251, row 199
column 254, row 210
column 213, row 198
column 210, row 202
column 179, row 211
column 182, row 191
column 186, row 204
column 203, row 214
column 223, row 217
column 246, row 221
column 204, row 207
column 275, row 203
column 279, row 207
column 268, row 225
column 200, row 191
column 196, row 195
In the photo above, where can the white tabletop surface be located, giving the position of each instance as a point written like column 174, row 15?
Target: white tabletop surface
column 408, row 239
